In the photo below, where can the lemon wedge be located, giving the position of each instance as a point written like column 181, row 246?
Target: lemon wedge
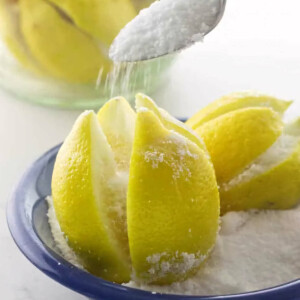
column 236, row 101
column 254, row 154
column 172, row 202
column 89, row 198
column 60, row 48
column 272, row 180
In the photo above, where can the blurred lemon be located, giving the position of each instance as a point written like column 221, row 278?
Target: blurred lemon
column 67, row 39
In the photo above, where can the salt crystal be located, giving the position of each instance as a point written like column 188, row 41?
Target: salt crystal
column 164, row 27
column 254, row 250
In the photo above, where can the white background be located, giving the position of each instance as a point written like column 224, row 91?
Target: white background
column 256, row 46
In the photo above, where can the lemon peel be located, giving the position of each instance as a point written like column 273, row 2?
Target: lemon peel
column 172, row 203
column 88, row 195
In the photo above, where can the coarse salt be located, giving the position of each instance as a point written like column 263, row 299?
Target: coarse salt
column 164, row 27
column 254, row 250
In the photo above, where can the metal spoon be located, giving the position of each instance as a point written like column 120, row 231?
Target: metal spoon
column 121, row 47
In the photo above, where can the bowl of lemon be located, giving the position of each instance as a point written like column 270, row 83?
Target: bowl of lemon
column 56, row 52
column 136, row 204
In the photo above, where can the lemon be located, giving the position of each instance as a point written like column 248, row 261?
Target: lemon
column 236, row 138
column 236, row 101
column 102, row 19
column 89, row 197
column 271, row 181
column 172, row 202
column 60, row 48
column 254, row 154
column 67, row 39
column 10, row 31
column 117, row 120
column 165, row 225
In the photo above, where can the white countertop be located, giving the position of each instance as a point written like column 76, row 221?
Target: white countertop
column 257, row 46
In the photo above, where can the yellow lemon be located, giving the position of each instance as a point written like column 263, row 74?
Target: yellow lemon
column 271, row 181
column 89, row 198
column 236, row 138
column 254, row 155
column 60, row 48
column 236, row 101
column 172, row 202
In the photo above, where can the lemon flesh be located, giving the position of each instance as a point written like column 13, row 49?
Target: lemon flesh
column 271, row 181
column 103, row 19
column 233, row 102
column 236, row 138
column 172, row 203
column 58, row 46
column 117, row 120
column 88, row 195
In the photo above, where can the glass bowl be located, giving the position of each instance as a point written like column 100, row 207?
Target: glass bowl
column 28, row 223
column 56, row 52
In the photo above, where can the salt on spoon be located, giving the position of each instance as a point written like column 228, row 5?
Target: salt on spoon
column 165, row 27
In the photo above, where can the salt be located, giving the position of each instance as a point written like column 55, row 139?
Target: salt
column 164, row 27
column 254, row 250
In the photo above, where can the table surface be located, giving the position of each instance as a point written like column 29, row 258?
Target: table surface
column 256, row 46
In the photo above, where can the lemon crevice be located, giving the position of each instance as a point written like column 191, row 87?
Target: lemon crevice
column 273, row 156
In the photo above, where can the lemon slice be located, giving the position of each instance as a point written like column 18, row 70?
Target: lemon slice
column 57, row 45
column 272, row 180
column 89, row 198
column 172, row 202
column 236, row 101
column 236, row 138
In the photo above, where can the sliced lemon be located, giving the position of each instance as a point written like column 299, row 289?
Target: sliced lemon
column 59, row 47
column 172, row 202
column 236, row 138
column 271, row 181
column 236, row 101
column 89, row 198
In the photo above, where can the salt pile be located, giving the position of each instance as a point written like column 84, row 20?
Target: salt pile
column 254, row 250
column 164, row 27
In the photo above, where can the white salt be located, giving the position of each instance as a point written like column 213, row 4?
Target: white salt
column 164, row 27
column 59, row 237
column 254, row 250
